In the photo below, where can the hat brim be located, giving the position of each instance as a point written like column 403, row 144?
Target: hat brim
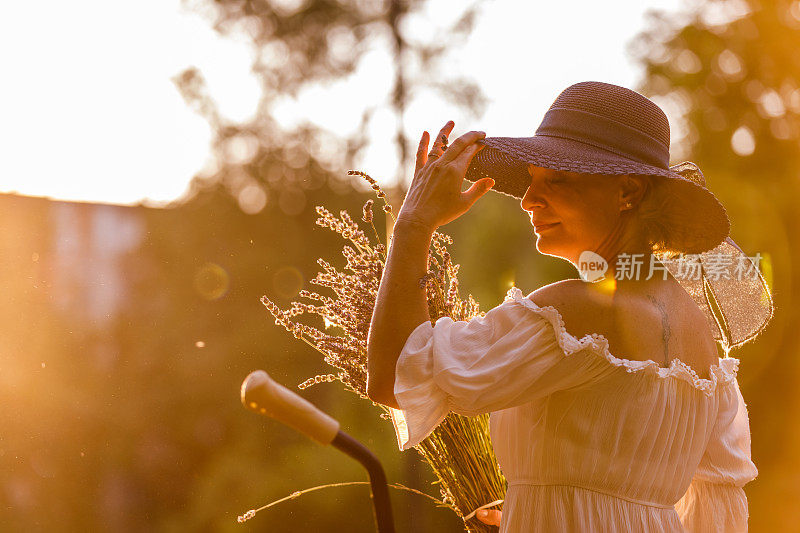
column 698, row 220
column 742, row 299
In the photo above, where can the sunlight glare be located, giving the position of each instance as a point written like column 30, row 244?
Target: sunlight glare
column 94, row 115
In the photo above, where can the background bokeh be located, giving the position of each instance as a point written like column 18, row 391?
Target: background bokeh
column 125, row 331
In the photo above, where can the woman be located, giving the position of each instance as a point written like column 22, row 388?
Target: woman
column 610, row 410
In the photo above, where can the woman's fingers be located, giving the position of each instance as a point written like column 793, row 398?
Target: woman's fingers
column 444, row 133
column 422, row 152
column 460, row 144
column 478, row 189
column 440, row 142
column 490, row 516
column 458, row 168
column 438, row 146
column 435, row 192
column 461, row 163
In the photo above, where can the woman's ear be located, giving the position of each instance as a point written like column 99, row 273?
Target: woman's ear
column 632, row 189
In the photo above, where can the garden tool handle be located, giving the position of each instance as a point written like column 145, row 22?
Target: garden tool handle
column 263, row 395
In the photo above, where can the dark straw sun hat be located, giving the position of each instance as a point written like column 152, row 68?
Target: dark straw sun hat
column 600, row 128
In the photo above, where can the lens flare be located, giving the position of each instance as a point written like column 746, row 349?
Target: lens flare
column 287, row 281
column 211, row 281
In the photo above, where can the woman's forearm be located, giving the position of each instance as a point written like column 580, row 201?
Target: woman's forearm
column 400, row 307
column 434, row 198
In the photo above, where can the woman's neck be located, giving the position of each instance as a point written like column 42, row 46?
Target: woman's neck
column 628, row 254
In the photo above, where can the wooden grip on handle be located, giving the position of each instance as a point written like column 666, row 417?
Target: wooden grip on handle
column 261, row 394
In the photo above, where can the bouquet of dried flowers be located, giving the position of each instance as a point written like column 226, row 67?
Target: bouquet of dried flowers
column 459, row 451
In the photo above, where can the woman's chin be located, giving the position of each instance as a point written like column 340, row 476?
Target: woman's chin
column 546, row 246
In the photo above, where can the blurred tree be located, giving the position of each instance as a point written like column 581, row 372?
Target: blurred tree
column 730, row 70
column 306, row 43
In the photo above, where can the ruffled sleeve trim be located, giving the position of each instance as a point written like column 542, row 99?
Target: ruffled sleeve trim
column 709, row 506
column 723, row 373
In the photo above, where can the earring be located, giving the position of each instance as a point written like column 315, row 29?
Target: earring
column 628, row 205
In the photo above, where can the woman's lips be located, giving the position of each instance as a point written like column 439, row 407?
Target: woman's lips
column 543, row 227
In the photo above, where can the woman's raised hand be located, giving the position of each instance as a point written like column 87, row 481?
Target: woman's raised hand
column 434, row 197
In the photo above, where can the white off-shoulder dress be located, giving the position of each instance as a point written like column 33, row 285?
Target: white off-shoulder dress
column 586, row 440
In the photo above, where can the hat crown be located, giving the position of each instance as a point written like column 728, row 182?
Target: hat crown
column 612, row 118
column 618, row 104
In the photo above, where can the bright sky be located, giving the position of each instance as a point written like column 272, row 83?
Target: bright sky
column 88, row 110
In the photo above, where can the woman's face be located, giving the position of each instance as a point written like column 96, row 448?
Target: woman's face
column 571, row 212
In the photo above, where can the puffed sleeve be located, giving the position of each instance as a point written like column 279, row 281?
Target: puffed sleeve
column 715, row 500
column 514, row 354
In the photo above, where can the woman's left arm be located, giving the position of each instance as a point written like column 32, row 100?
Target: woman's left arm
column 433, row 199
column 400, row 307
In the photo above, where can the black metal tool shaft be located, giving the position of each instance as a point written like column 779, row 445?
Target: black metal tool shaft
column 377, row 479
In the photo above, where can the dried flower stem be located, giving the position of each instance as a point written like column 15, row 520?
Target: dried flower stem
column 252, row 512
column 459, row 450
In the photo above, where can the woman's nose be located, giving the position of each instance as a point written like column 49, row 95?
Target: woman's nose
column 531, row 199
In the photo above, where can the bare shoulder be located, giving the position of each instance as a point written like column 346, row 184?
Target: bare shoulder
column 566, row 295
column 583, row 308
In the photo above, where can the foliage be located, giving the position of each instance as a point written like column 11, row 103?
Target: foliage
column 297, row 45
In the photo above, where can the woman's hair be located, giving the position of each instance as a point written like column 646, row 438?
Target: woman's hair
column 654, row 217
